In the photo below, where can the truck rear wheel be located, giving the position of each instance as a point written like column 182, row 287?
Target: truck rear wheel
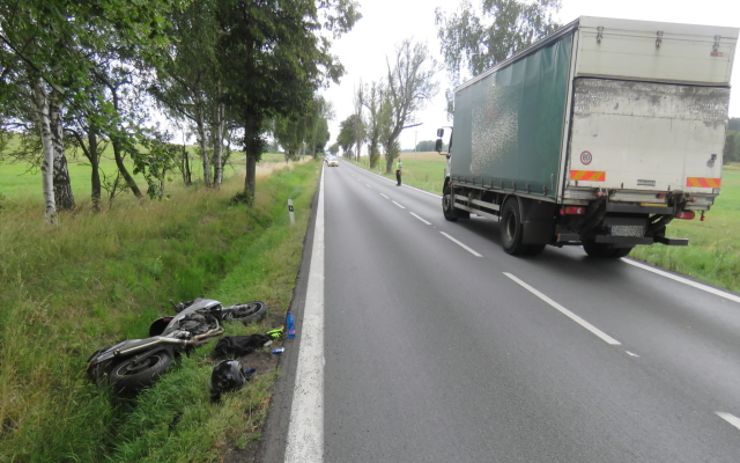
column 604, row 250
column 449, row 210
column 512, row 231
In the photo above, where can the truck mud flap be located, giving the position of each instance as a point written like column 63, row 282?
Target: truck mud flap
column 538, row 221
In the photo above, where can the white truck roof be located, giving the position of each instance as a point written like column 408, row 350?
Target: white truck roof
column 690, row 53
column 613, row 47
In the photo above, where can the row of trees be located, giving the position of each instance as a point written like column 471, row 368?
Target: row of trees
column 83, row 73
column 384, row 107
column 472, row 39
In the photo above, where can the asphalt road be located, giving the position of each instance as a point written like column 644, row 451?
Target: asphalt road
column 439, row 347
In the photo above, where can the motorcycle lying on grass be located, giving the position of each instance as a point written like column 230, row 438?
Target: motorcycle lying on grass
column 134, row 364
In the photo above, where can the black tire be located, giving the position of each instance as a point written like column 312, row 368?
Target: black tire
column 604, row 250
column 450, row 212
column 246, row 313
column 133, row 374
column 533, row 249
column 511, row 229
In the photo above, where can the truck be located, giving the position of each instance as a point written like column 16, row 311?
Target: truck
column 598, row 135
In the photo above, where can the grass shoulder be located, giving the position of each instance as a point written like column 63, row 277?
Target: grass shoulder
column 421, row 170
column 99, row 278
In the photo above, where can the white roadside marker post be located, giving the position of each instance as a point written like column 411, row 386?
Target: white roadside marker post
column 291, row 212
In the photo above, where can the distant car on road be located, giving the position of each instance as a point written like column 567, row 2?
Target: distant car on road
column 332, row 161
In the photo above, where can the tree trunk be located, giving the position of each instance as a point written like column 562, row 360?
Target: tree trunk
column 218, row 144
column 373, row 154
column 187, row 176
column 62, row 185
column 41, row 102
column 115, row 139
column 252, row 149
column 118, row 155
column 94, row 158
column 250, row 179
column 203, row 150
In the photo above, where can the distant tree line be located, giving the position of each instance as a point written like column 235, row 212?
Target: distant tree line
column 732, row 141
column 428, row 145
column 81, row 74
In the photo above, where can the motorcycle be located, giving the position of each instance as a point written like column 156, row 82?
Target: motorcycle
column 134, row 364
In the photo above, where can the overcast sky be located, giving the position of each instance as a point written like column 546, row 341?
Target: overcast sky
column 385, row 23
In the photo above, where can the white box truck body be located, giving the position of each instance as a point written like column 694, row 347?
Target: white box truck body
column 600, row 135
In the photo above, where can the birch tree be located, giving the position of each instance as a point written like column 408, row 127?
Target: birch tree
column 35, row 62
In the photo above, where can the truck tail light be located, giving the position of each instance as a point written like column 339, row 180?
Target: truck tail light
column 572, row 210
column 686, row 215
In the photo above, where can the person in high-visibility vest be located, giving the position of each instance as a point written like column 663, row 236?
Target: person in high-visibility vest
column 398, row 172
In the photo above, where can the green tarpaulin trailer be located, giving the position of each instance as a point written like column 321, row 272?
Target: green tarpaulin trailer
column 599, row 135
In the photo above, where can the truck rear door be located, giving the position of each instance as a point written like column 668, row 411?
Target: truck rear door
column 650, row 104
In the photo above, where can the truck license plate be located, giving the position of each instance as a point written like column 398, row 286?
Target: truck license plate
column 628, row 230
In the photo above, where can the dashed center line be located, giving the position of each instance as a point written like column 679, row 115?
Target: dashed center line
column 421, row 218
column 399, row 205
column 462, row 245
column 730, row 418
column 632, row 354
column 597, row 332
column 384, row 195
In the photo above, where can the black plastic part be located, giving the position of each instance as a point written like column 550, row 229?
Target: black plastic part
column 672, row 241
column 605, row 251
column 228, row 376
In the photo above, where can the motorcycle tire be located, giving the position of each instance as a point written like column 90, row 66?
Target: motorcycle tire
column 133, row 374
column 246, row 313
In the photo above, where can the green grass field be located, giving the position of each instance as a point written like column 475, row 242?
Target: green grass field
column 22, row 180
column 713, row 254
column 94, row 279
column 422, row 170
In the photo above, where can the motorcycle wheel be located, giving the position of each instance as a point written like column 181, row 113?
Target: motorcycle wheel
column 245, row 313
column 135, row 373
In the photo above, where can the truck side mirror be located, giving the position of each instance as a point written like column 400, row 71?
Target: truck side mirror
column 440, row 133
column 438, row 144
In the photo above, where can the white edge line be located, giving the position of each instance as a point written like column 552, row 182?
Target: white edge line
column 305, row 440
column 730, row 418
column 384, row 195
column 398, row 204
column 421, row 218
column 595, row 331
column 424, row 191
column 686, row 281
column 462, row 245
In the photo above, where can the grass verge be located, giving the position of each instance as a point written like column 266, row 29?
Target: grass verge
column 421, row 170
column 95, row 279
column 713, row 253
